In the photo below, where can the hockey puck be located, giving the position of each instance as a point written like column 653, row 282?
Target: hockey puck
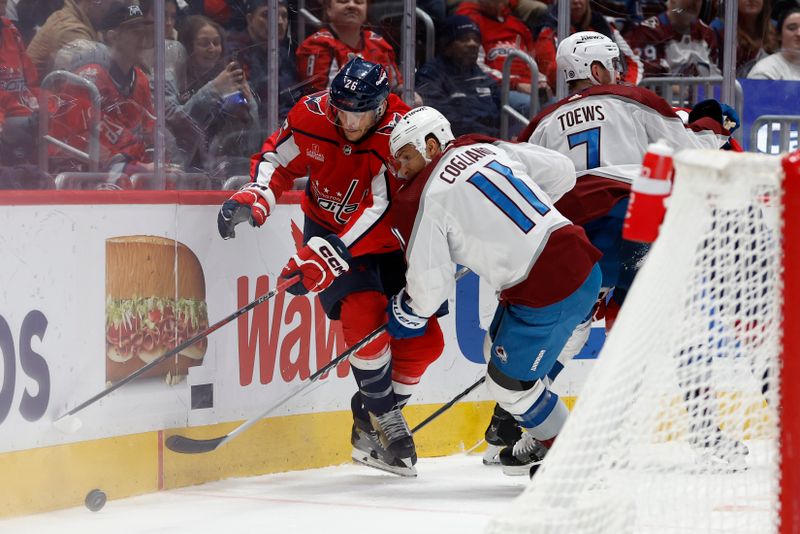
column 95, row 500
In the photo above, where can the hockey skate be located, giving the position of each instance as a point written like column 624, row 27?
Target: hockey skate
column 719, row 451
column 383, row 442
column 524, row 457
column 503, row 431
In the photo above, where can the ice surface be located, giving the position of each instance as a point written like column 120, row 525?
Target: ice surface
column 451, row 495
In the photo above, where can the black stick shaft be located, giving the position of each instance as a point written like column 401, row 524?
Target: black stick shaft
column 188, row 343
column 447, row 406
column 187, row 445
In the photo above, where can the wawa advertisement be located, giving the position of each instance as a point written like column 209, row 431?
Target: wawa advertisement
column 92, row 293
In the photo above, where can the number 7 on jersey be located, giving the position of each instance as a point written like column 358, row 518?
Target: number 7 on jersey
column 590, row 138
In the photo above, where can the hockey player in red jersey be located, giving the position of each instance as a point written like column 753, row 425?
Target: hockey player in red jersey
column 126, row 104
column 488, row 205
column 340, row 139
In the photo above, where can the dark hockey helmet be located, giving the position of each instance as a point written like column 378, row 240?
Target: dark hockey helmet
column 360, row 86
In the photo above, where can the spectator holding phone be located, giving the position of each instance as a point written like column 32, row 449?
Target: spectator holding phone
column 250, row 47
column 217, row 98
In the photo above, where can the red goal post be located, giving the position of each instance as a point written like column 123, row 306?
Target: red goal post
column 790, row 356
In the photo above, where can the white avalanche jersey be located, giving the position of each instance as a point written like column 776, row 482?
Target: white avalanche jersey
column 613, row 124
column 479, row 205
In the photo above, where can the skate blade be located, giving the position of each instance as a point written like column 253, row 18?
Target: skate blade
column 520, row 470
column 492, row 455
column 363, row 458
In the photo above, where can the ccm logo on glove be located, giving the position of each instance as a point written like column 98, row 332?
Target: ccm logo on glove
column 319, row 263
column 332, row 258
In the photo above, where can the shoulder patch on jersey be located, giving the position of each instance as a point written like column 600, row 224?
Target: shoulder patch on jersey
column 313, row 103
column 387, row 128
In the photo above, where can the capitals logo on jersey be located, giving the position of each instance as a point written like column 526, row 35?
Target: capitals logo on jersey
column 335, row 202
column 500, row 50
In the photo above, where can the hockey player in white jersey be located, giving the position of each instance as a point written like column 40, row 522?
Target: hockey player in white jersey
column 601, row 123
column 605, row 129
column 489, row 206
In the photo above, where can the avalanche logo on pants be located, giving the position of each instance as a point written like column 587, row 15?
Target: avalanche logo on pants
column 500, row 352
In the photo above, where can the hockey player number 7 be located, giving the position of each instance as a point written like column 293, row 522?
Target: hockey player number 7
column 591, row 138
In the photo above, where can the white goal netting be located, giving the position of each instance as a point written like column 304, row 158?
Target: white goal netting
column 676, row 429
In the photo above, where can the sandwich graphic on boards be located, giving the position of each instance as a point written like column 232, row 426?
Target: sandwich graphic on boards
column 155, row 300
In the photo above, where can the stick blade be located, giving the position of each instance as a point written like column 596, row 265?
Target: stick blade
column 184, row 445
column 68, row 424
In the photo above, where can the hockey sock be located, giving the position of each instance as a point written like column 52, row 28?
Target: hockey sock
column 375, row 385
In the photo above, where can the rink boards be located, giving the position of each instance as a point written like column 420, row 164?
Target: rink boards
column 53, row 315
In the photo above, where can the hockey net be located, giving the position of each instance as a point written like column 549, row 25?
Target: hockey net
column 688, row 380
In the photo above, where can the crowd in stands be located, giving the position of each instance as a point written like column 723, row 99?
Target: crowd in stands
column 217, row 79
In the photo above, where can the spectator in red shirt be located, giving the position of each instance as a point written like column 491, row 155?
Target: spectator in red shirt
column 18, row 87
column 126, row 103
column 343, row 37
column 502, row 32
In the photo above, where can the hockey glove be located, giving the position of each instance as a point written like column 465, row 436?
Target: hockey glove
column 403, row 322
column 318, row 263
column 730, row 118
column 252, row 202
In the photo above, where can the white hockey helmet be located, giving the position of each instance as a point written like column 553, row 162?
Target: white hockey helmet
column 577, row 52
column 415, row 126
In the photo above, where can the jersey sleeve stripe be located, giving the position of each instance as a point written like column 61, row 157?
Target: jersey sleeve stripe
column 373, row 215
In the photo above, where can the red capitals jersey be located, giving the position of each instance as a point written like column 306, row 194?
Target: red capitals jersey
column 321, row 55
column 497, row 38
column 350, row 184
column 664, row 51
column 18, row 78
column 126, row 116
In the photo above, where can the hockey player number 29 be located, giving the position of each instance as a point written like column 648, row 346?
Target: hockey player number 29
column 591, row 138
column 506, row 204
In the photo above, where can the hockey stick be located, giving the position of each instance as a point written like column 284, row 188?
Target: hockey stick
column 187, row 445
column 449, row 405
column 68, row 423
